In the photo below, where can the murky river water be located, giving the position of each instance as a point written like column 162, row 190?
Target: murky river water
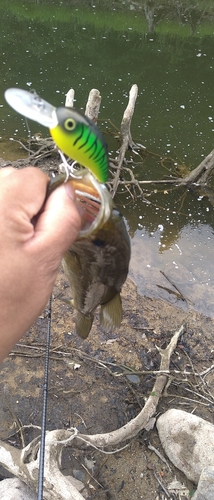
column 169, row 53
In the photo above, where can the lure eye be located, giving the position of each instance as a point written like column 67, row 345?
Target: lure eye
column 69, row 124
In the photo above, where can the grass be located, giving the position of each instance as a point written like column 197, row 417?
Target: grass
column 101, row 19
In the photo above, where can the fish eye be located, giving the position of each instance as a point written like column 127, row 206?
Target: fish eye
column 98, row 242
column 69, row 124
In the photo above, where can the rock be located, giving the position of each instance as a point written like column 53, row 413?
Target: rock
column 205, row 490
column 14, row 489
column 188, row 441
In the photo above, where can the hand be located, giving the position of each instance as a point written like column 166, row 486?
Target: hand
column 30, row 253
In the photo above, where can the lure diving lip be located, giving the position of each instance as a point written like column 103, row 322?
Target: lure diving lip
column 32, row 106
column 74, row 134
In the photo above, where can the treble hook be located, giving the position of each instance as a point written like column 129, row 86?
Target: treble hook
column 67, row 169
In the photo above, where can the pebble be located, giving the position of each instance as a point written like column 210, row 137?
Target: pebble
column 188, row 441
column 79, row 475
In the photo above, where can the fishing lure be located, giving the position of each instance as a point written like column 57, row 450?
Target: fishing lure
column 74, row 134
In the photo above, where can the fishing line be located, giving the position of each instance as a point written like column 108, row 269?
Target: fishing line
column 44, row 407
column 28, row 131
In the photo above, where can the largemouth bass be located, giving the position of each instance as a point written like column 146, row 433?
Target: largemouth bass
column 97, row 263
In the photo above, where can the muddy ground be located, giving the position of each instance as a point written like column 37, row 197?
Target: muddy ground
column 86, row 395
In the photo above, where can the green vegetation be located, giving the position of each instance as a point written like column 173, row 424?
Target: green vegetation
column 177, row 18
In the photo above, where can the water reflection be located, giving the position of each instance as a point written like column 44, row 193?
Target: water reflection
column 167, row 49
column 174, row 235
column 187, row 263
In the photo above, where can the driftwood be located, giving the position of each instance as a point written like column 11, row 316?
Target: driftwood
column 201, row 174
column 93, row 105
column 69, row 100
column 24, row 463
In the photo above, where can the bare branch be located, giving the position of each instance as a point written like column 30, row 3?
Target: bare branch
column 135, row 425
column 202, row 173
column 69, row 101
column 24, row 465
column 93, row 105
column 125, row 134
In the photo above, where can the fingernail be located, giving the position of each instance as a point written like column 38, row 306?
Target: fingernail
column 72, row 195
column 70, row 191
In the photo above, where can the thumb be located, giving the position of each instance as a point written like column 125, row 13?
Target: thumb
column 58, row 225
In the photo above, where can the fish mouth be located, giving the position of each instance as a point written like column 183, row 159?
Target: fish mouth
column 92, row 198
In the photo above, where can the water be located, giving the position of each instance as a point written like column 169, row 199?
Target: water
column 52, row 46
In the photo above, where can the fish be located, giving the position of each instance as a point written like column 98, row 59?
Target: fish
column 73, row 132
column 97, row 263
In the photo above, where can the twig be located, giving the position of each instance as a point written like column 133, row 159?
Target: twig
column 208, row 370
column 21, row 144
column 203, row 384
column 161, row 484
column 126, row 134
column 199, row 395
column 104, row 364
column 187, row 399
column 175, row 286
column 152, row 448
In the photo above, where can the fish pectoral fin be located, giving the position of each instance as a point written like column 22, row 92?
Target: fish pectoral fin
column 111, row 314
column 70, row 302
column 83, row 324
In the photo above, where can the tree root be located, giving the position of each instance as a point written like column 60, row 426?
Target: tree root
column 24, row 463
column 202, row 173
column 138, row 423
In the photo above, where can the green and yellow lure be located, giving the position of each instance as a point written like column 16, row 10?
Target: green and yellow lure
column 74, row 134
column 79, row 138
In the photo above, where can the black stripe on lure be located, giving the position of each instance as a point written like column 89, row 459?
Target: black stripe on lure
column 74, row 134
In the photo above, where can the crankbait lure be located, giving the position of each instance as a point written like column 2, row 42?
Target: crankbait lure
column 74, row 134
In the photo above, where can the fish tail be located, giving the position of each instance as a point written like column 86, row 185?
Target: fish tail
column 83, row 324
column 111, row 314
